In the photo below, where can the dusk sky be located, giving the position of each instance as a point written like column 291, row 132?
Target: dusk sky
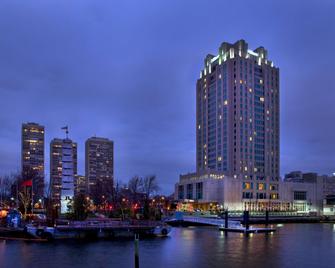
column 127, row 70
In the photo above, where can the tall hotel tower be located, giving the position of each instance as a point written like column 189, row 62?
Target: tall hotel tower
column 32, row 155
column 237, row 117
column 99, row 164
column 63, row 169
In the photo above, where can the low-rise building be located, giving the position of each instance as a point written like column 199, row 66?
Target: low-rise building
column 305, row 193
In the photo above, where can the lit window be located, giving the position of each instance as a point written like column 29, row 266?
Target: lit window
column 261, row 99
column 250, row 90
column 261, row 186
column 225, row 102
column 247, row 185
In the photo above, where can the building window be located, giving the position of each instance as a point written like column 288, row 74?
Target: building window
column 247, row 185
column 189, row 194
column 261, row 195
column 181, row 192
column 261, row 186
column 299, row 195
column 274, row 196
column 273, row 187
column 247, row 195
column 199, row 187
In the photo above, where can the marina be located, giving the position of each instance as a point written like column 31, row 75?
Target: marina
column 199, row 247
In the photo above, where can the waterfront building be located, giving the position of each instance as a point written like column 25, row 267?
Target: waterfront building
column 63, row 169
column 237, row 113
column 32, row 156
column 237, row 140
column 312, row 194
column 213, row 190
column 99, row 166
column 237, row 122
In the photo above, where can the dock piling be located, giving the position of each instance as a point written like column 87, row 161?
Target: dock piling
column 266, row 218
column 137, row 261
column 246, row 219
column 226, row 219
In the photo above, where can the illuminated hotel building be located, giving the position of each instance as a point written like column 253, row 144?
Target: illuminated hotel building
column 99, row 163
column 237, row 142
column 63, row 169
column 237, row 130
column 32, row 155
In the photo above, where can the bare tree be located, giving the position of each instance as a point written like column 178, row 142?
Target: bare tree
column 25, row 199
column 149, row 185
column 102, row 191
column 5, row 189
column 134, row 186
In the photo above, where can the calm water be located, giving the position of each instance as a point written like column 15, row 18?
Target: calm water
column 303, row 245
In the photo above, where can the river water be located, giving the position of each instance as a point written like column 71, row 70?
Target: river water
column 293, row 245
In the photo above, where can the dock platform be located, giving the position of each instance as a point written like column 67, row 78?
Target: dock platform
column 248, row 231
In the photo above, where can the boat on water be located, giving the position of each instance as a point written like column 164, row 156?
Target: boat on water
column 99, row 230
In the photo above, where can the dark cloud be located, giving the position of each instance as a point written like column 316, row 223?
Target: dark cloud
column 127, row 71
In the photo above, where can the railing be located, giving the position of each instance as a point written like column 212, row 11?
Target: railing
column 109, row 224
column 209, row 221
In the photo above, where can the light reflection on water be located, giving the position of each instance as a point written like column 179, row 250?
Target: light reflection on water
column 293, row 245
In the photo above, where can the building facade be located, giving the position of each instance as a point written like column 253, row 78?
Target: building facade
column 237, row 140
column 63, row 169
column 99, row 166
column 237, row 119
column 238, row 113
column 311, row 195
column 80, row 185
column 32, row 155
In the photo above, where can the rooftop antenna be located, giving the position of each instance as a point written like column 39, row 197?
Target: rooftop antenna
column 66, row 128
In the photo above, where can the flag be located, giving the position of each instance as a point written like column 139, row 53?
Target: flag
column 27, row 183
column 65, row 128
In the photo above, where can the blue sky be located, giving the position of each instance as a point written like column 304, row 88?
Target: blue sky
column 126, row 70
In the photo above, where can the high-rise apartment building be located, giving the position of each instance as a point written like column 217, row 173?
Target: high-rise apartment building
column 32, row 156
column 63, row 169
column 99, row 165
column 237, row 118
